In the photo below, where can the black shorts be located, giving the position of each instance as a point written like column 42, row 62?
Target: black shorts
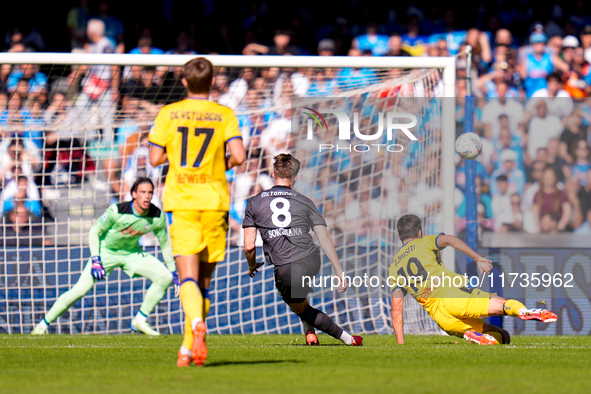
column 288, row 278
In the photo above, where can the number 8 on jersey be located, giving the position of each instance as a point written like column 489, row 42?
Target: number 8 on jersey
column 278, row 212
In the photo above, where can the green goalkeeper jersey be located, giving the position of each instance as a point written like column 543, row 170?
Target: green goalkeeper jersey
column 119, row 229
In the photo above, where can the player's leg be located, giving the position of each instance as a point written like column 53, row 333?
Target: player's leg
column 500, row 306
column 460, row 316
column 186, row 236
column 66, row 300
column 283, row 277
column 320, row 320
column 214, row 228
column 206, row 270
column 288, row 280
column 193, row 347
column 502, row 336
column 148, row 266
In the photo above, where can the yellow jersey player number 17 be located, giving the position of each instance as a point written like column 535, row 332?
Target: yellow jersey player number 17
column 193, row 135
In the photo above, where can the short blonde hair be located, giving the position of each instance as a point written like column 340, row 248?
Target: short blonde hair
column 96, row 27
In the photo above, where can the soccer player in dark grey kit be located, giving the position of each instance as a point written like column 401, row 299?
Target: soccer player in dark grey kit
column 284, row 218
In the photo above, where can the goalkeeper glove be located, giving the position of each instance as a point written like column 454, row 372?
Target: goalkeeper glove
column 176, row 283
column 97, row 271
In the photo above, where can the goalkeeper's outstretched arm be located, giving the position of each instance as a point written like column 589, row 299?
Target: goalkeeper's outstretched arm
column 397, row 317
column 94, row 240
column 100, row 226
column 331, row 253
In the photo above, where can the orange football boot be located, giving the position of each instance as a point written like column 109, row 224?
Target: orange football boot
column 311, row 338
column 480, row 339
column 183, row 360
column 542, row 315
column 199, row 349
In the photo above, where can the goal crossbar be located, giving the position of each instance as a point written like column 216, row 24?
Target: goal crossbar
column 228, row 60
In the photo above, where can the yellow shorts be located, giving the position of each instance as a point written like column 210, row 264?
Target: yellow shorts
column 198, row 232
column 458, row 315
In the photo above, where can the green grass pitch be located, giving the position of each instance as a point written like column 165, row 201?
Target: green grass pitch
column 282, row 364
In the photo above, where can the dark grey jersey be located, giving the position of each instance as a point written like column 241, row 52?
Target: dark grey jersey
column 284, row 217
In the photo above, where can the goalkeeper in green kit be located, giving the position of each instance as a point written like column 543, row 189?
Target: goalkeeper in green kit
column 114, row 242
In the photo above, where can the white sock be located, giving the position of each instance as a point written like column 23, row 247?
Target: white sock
column 346, row 338
column 140, row 318
column 42, row 324
column 308, row 326
column 195, row 321
column 185, row 351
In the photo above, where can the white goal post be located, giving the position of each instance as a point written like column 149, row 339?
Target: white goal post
column 108, row 321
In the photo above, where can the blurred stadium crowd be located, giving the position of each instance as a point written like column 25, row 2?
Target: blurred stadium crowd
column 531, row 77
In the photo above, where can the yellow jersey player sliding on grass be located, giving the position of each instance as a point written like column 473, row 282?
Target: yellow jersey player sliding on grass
column 193, row 135
column 457, row 310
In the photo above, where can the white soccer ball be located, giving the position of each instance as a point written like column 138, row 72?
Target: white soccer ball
column 469, row 145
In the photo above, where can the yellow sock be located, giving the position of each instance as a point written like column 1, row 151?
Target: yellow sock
column 206, row 302
column 188, row 340
column 512, row 307
column 192, row 300
column 496, row 335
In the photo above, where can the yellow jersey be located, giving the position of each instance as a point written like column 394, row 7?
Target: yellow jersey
column 414, row 267
column 194, row 133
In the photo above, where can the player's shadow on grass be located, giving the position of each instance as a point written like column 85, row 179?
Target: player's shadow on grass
column 249, row 362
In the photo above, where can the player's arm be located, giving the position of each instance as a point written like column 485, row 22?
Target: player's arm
column 157, row 155
column 101, row 225
column 250, row 237
column 397, row 316
column 158, row 138
column 250, row 250
column 233, row 140
column 328, row 247
column 94, row 240
column 237, row 153
column 443, row 241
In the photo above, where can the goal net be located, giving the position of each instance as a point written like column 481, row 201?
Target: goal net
column 74, row 131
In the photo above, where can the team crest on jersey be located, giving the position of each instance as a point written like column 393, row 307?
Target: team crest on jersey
column 104, row 217
column 147, row 226
column 131, row 232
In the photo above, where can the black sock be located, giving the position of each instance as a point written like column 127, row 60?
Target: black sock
column 321, row 321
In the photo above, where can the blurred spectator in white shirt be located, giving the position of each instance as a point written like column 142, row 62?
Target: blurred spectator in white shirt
column 542, row 127
column 497, row 107
column 501, row 203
